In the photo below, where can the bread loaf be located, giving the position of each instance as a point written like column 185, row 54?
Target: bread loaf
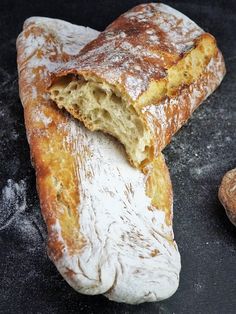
column 109, row 225
column 141, row 79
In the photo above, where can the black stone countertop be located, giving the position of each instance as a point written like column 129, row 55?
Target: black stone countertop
column 198, row 157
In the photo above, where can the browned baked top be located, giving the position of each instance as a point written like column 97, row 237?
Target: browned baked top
column 149, row 56
column 40, row 51
column 109, row 225
column 138, row 47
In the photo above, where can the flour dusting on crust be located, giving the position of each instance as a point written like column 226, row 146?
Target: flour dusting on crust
column 124, row 249
column 140, row 52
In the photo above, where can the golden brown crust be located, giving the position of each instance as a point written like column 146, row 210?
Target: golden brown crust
column 159, row 187
column 54, row 162
column 166, row 118
column 48, row 154
column 141, row 55
column 138, row 48
column 227, row 194
column 60, row 165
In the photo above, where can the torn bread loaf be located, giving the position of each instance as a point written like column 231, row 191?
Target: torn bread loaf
column 109, row 225
column 141, row 79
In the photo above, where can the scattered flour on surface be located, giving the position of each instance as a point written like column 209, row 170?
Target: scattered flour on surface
column 26, row 225
column 13, row 201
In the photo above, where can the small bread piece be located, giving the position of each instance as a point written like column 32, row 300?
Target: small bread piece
column 227, row 194
column 109, row 225
column 141, row 79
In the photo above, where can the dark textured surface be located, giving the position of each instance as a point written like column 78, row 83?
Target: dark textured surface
column 198, row 157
